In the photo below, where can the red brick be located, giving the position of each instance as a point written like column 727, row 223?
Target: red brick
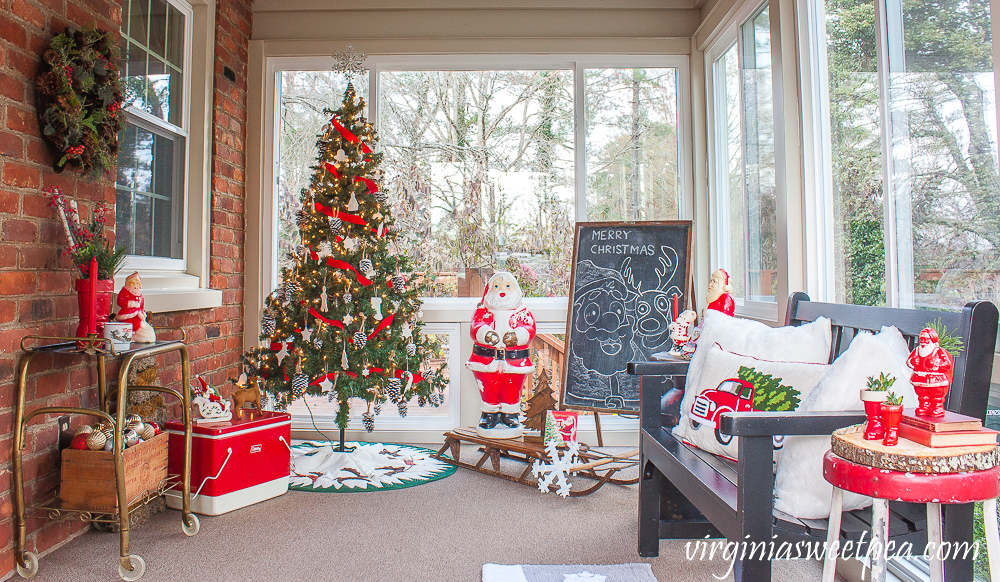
column 19, row 230
column 34, row 310
column 51, row 385
column 24, row 63
column 10, row 145
column 7, row 311
column 41, row 153
column 8, row 201
column 8, row 256
column 29, row 13
column 40, row 257
column 54, row 281
column 38, row 206
column 16, row 283
column 13, row 32
column 20, row 175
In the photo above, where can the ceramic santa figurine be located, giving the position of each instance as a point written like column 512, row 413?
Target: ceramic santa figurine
column 680, row 331
column 720, row 291
column 933, row 370
column 131, row 303
column 502, row 328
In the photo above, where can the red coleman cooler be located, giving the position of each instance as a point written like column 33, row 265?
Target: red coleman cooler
column 234, row 463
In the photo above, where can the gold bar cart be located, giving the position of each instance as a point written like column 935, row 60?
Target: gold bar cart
column 131, row 567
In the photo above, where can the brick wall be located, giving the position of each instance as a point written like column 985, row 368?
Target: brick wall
column 36, row 280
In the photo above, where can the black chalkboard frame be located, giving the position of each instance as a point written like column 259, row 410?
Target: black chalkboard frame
column 688, row 303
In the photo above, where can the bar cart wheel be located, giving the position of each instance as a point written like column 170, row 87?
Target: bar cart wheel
column 193, row 527
column 30, row 567
column 138, row 568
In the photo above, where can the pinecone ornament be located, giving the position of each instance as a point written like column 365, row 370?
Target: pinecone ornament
column 360, row 339
column 381, row 196
column 368, row 419
column 302, row 218
column 421, row 401
column 348, row 297
column 429, row 375
column 336, row 224
column 299, row 383
column 411, row 349
column 392, row 389
column 267, row 324
column 366, row 266
column 398, row 284
column 292, row 289
column 401, row 406
column 378, row 408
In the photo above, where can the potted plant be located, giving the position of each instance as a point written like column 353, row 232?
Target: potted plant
column 93, row 256
column 892, row 414
column 873, row 396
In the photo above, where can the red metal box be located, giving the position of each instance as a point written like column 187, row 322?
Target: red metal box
column 234, row 463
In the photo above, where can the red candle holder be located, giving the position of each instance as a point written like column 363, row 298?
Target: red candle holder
column 873, row 399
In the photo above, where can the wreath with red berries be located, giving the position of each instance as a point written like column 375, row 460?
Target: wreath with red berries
column 81, row 99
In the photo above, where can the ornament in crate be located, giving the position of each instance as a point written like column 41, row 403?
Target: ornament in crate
column 401, row 406
column 368, row 419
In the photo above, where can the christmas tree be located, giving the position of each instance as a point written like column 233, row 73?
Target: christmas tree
column 345, row 319
column 768, row 392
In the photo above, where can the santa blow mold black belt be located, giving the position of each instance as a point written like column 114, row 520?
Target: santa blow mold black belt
column 499, row 354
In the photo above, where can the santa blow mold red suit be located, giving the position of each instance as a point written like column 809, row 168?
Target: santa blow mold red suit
column 502, row 328
column 720, row 291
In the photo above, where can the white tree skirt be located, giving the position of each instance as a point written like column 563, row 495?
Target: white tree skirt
column 317, row 466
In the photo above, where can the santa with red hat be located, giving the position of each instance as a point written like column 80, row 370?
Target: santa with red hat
column 131, row 303
column 933, row 370
column 720, row 291
column 502, row 328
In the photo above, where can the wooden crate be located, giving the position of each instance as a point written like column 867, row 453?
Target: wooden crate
column 88, row 477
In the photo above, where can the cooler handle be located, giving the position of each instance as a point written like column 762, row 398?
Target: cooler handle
column 207, row 479
column 282, row 439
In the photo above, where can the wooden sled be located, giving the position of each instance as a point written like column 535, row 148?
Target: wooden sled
column 594, row 465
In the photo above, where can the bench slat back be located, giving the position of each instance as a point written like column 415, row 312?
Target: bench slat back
column 976, row 325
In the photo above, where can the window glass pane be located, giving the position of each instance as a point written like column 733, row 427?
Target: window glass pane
column 138, row 23
column 133, row 72
column 944, row 146
column 732, row 207
column 758, row 117
column 304, row 96
column 158, row 100
column 175, row 36
column 631, row 144
column 481, row 164
column 158, row 27
column 855, row 152
column 149, row 213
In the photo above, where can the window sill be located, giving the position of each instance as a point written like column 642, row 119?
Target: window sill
column 165, row 292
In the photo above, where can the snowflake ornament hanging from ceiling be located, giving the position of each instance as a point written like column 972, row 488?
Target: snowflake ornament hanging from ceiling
column 350, row 62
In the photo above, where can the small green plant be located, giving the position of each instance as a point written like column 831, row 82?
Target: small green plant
column 893, row 399
column 882, row 383
column 947, row 340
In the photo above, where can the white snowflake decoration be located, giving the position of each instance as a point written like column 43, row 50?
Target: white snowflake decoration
column 558, row 470
column 350, row 62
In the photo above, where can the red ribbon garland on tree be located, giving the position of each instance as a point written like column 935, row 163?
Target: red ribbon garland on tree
column 382, row 325
column 398, row 374
column 345, row 216
column 332, row 375
column 334, row 322
column 349, row 136
column 332, row 169
column 337, row 263
column 372, row 186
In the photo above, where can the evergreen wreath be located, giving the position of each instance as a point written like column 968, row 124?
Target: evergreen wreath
column 81, row 99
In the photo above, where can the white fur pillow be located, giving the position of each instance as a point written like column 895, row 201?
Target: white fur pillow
column 808, row 343
column 735, row 383
column 800, row 489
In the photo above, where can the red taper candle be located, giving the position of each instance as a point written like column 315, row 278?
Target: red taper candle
column 92, row 323
column 677, row 299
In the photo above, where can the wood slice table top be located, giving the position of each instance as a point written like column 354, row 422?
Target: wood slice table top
column 910, row 457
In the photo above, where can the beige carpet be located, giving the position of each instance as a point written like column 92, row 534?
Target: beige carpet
column 439, row 532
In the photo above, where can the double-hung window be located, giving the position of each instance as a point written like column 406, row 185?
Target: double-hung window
column 489, row 162
column 742, row 161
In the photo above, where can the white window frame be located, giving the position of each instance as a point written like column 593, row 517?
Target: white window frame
column 550, row 313
column 721, row 41
column 180, row 284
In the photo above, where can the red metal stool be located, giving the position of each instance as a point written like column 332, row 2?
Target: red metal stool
column 932, row 489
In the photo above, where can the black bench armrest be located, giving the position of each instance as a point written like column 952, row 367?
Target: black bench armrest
column 786, row 423
column 672, row 367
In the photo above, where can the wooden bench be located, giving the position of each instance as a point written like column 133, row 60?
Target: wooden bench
column 685, row 493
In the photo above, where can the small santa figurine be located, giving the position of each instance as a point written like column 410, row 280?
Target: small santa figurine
column 131, row 303
column 933, row 370
column 720, row 291
column 502, row 328
column 680, row 331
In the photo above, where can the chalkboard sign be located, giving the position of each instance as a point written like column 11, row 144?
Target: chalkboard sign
column 626, row 279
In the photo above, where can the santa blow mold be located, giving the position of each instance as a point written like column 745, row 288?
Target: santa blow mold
column 933, row 370
column 502, row 328
column 132, row 310
column 720, row 291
